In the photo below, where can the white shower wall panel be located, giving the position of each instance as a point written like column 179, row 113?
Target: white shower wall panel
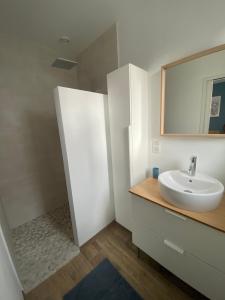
column 81, row 121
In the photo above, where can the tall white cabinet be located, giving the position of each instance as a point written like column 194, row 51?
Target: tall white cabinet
column 128, row 118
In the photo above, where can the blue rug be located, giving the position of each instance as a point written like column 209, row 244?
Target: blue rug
column 104, row 282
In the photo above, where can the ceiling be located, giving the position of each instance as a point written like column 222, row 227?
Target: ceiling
column 151, row 32
column 45, row 21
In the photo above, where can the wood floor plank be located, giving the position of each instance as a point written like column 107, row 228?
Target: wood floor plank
column 151, row 280
column 132, row 272
column 149, row 273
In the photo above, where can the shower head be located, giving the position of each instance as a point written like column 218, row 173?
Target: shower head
column 63, row 63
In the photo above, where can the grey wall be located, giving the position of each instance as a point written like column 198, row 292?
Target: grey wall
column 99, row 59
column 31, row 171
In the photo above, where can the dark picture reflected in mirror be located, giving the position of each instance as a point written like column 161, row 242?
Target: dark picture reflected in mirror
column 217, row 116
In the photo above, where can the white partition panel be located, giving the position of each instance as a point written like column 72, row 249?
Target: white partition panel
column 10, row 287
column 81, row 121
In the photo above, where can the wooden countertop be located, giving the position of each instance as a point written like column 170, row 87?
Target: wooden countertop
column 149, row 190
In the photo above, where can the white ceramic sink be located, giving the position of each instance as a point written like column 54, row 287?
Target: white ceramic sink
column 199, row 193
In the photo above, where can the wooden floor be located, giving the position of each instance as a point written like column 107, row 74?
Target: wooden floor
column 150, row 279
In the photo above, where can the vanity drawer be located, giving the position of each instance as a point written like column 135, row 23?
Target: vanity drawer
column 206, row 279
column 198, row 239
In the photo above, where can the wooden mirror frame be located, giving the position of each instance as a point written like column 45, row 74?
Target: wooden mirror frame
column 163, row 90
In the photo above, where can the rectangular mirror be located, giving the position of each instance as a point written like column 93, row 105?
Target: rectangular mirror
column 193, row 95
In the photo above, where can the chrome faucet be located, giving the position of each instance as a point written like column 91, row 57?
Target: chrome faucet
column 192, row 167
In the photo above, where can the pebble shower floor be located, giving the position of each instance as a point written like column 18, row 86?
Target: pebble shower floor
column 42, row 246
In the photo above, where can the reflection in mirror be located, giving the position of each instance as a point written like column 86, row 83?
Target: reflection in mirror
column 193, row 95
column 217, row 107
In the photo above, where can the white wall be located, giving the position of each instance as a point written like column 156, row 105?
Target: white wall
column 32, row 179
column 158, row 32
column 10, row 288
column 175, row 151
column 82, row 129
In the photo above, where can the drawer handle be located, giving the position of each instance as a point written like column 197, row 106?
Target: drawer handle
column 173, row 246
column 175, row 214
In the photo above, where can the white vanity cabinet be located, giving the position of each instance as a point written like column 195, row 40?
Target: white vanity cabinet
column 192, row 251
column 128, row 119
